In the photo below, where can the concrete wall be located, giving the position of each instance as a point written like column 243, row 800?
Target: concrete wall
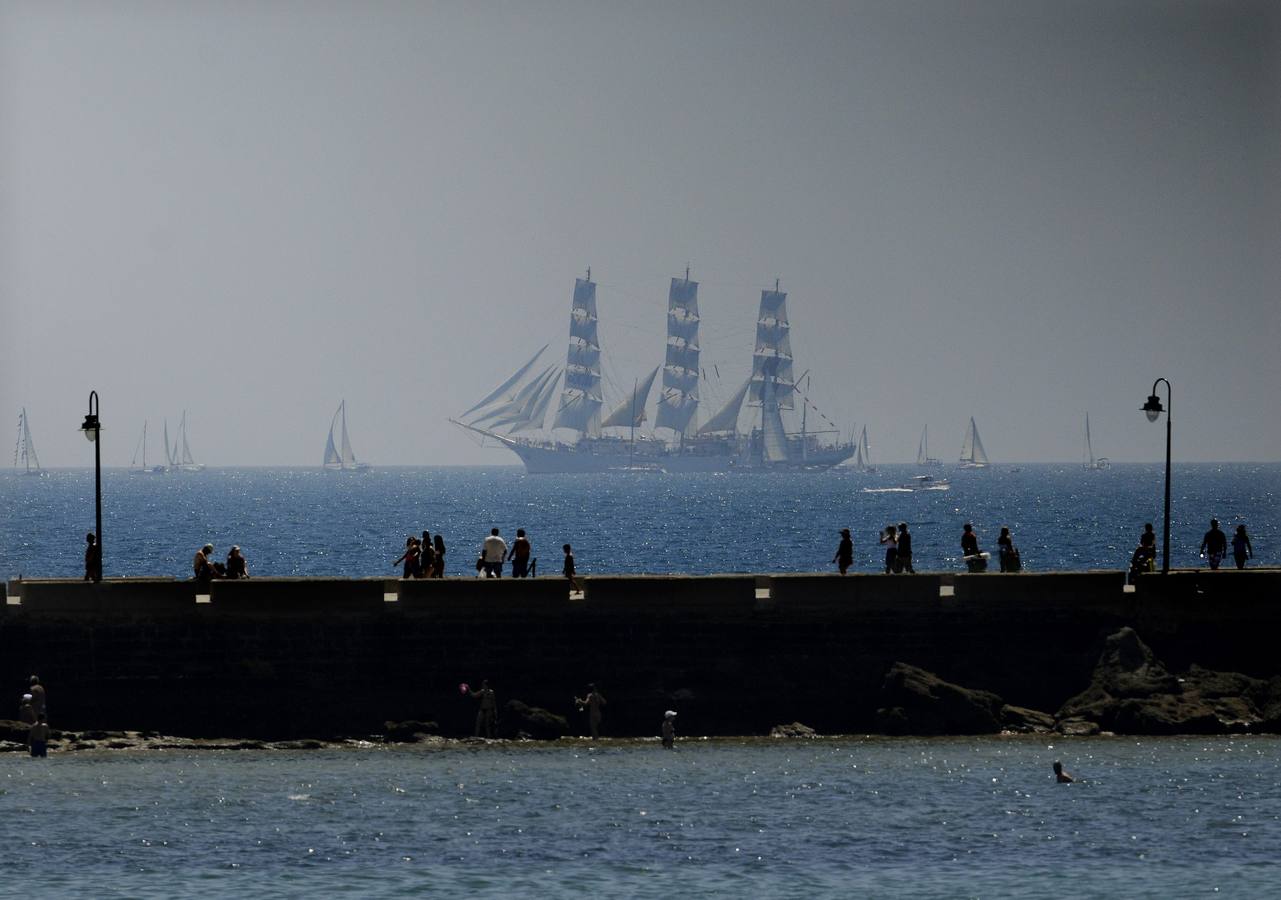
column 291, row 657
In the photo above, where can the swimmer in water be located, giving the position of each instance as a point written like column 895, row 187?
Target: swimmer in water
column 1060, row 776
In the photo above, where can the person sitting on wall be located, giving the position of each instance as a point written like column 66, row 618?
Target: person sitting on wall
column 202, row 568
column 236, row 566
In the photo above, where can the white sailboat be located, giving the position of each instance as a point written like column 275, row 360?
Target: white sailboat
column 923, row 457
column 180, row 458
column 1092, row 462
column 863, row 453
column 973, row 456
column 141, row 449
column 344, row 461
column 25, row 451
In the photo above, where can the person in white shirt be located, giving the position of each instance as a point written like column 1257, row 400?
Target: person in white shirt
column 495, row 551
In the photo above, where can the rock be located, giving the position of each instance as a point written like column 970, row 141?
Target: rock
column 16, row 732
column 1167, row 714
column 306, row 744
column 1078, row 727
column 521, row 720
column 915, row 701
column 1022, row 720
column 794, row 730
column 408, row 732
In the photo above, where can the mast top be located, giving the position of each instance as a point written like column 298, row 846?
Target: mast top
column 687, row 271
column 776, row 285
column 589, row 273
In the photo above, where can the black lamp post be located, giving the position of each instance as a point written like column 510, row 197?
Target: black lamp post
column 91, row 428
column 1153, row 408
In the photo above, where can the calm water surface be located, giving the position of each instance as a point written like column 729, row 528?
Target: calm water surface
column 841, row 817
column 305, row 521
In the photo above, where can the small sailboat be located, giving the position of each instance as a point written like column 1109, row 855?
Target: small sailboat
column 863, row 453
column 1092, row 462
column 344, row 461
column 973, row 456
column 141, row 449
column 923, row 457
column 25, row 451
column 181, row 459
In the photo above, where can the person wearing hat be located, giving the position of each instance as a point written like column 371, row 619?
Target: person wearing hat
column 844, row 557
column 669, row 729
column 25, row 711
column 236, row 567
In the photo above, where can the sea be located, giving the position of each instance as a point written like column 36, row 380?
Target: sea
column 840, row 817
column 311, row 522
column 833, row 817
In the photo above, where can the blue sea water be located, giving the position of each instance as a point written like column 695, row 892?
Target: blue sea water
column 309, row 522
column 948, row 817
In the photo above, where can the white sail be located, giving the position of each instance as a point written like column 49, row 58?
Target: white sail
column 922, row 449
column 187, row 459
column 772, row 358
column 521, row 409
column 726, row 418
column 141, row 446
column 678, row 399
column 863, row 452
column 972, row 452
column 580, row 400
column 772, row 433
column 348, row 455
column 506, row 386
column 1091, row 461
column 26, row 450
column 332, row 459
column 631, row 412
column 170, row 455
column 541, row 403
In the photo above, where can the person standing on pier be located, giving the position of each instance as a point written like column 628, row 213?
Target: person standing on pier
column 889, row 540
column 569, row 568
column 904, row 557
column 519, row 555
column 1241, row 549
column 409, row 558
column 426, row 557
column 974, row 560
column 844, row 557
column 93, row 559
column 1214, row 546
column 1008, row 554
column 438, row 566
column 493, row 552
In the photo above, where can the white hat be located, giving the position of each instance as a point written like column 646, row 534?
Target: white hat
column 671, row 713
column 26, row 697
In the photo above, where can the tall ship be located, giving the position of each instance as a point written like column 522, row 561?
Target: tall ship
column 581, row 435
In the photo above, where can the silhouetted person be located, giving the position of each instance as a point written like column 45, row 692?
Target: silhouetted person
column 904, row 556
column 1008, row 553
column 494, row 551
column 202, row 568
column 569, row 570
column 519, row 555
column 438, row 566
column 889, row 540
column 409, row 558
column 669, row 729
column 844, row 557
column 93, row 558
column 236, row 565
column 1241, row 549
column 1214, row 546
column 38, row 737
column 594, row 703
column 1060, row 776
column 25, row 711
column 970, row 548
column 426, row 557
column 39, row 699
column 486, row 710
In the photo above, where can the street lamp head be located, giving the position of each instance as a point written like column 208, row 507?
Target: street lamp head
column 90, row 427
column 1153, row 408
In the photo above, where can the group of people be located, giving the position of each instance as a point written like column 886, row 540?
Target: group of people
column 33, row 709
column 494, row 552
column 592, row 702
column 423, row 557
column 205, row 569
column 1214, row 547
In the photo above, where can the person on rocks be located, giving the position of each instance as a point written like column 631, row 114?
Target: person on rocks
column 93, row 558
column 486, row 711
column 39, row 699
column 438, row 561
column 974, row 560
column 202, row 568
column 1241, row 549
column 1060, row 776
column 494, row 552
column 904, row 557
column 594, row 703
column 844, row 557
column 25, row 711
column 38, row 737
column 426, row 557
column 1008, row 554
column 568, row 570
column 1214, row 546
column 519, row 554
column 236, row 565
column 889, row 540
column 669, row 729
column 409, row 558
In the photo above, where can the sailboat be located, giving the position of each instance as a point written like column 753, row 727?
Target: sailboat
column 973, row 456
column 25, row 451
column 180, row 458
column 141, row 447
column 344, row 461
column 923, row 457
column 863, row 453
column 1092, row 462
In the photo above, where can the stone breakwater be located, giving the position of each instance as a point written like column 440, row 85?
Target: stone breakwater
column 291, row 659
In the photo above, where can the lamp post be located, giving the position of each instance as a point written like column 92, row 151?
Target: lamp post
column 91, row 428
column 1153, row 409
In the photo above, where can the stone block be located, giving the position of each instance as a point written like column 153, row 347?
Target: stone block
column 697, row 595
column 470, row 597
column 112, row 596
column 296, row 596
column 1045, row 591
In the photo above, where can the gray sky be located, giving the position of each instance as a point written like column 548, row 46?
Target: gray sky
column 1014, row 211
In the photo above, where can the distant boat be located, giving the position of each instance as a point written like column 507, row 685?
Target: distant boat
column 25, row 451
column 346, row 460
column 973, row 456
column 135, row 466
column 181, row 459
column 923, row 457
column 863, row 453
column 1092, row 462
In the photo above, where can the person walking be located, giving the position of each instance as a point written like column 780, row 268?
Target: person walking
column 409, row 558
column 844, row 557
column 594, row 703
column 93, row 558
column 519, row 555
column 889, row 540
column 493, row 552
column 904, row 550
column 1241, row 549
column 1214, row 546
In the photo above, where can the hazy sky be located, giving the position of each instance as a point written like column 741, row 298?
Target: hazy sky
column 1016, row 211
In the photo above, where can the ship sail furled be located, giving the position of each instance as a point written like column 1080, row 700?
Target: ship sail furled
column 580, row 399
column 631, row 412
column 678, row 400
column 726, row 418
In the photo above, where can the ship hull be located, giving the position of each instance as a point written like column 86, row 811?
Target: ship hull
column 555, row 459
